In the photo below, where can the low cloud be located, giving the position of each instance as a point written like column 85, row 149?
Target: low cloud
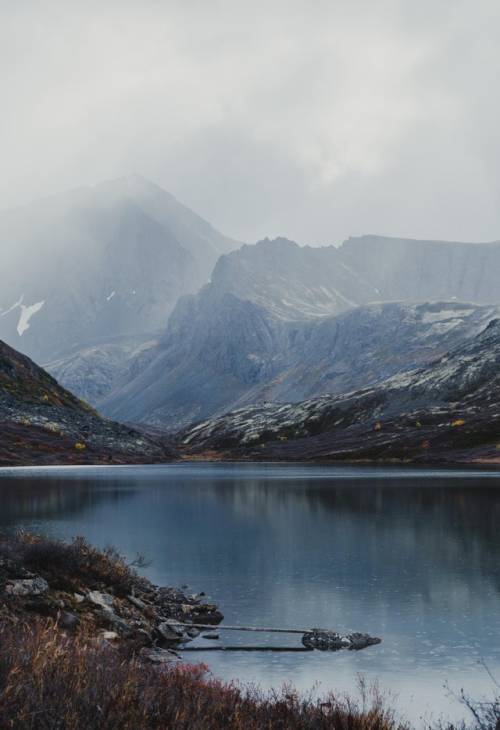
column 313, row 120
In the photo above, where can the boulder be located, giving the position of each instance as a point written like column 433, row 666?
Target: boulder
column 103, row 600
column 27, row 587
column 170, row 632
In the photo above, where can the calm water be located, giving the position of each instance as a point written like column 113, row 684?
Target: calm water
column 410, row 556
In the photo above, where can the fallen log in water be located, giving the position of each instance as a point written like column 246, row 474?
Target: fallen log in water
column 247, row 648
column 321, row 639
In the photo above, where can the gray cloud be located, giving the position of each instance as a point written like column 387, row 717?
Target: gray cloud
column 315, row 120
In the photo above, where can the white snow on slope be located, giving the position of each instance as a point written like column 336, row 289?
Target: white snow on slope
column 110, row 297
column 26, row 314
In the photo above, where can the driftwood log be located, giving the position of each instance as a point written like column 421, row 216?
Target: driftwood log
column 321, row 639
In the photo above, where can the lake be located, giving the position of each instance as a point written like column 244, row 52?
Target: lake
column 412, row 556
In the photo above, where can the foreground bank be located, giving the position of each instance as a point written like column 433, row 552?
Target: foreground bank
column 80, row 624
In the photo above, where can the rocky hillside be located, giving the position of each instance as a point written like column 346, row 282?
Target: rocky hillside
column 449, row 410
column 96, row 263
column 280, row 322
column 42, row 423
column 221, row 352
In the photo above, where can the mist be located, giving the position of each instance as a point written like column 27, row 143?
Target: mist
column 314, row 121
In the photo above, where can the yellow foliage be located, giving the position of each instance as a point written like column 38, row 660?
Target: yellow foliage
column 45, row 398
column 458, row 422
column 79, row 446
column 377, row 426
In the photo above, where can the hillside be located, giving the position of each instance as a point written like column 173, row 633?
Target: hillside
column 448, row 411
column 42, row 423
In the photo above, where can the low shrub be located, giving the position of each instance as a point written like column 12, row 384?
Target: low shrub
column 71, row 562
column 49, row 681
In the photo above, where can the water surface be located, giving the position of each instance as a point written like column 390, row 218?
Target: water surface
column 411, row 556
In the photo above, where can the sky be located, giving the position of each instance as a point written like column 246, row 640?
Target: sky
column 311, row 119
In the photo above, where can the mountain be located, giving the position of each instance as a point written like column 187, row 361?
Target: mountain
column 42, row 423
column 448, row 411
column 99, row 263
column 290, row 281
column 276, row 324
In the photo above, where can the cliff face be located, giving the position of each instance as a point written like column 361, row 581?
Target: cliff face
column 42, row 423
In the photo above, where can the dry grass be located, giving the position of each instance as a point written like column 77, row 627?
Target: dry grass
column 49, row 681
column 70, row 562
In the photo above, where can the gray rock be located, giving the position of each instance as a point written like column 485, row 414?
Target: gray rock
column 116, row 622
column 103, row 600
column 68, row 620
column 171, row 632
column 158, row 656
column 137, row 602
column 27, row 587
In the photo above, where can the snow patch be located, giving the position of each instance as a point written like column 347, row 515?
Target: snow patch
column 110, row 297
column 27, row 311
column 26, row 314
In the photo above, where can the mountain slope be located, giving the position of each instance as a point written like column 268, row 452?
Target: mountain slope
column 99, row 262
column 282, row 322
column 447, row 411
column 42, row 423
column 231, row 344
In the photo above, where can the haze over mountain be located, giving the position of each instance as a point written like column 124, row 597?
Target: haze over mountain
column 98, row 263
column 280, row 322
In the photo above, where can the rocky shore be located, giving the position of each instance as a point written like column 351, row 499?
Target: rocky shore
column 96, row 594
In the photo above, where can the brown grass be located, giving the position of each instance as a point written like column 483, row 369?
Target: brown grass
column 70, row 562
column 49, row 681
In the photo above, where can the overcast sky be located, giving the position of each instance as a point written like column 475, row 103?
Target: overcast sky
column 311, row 119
